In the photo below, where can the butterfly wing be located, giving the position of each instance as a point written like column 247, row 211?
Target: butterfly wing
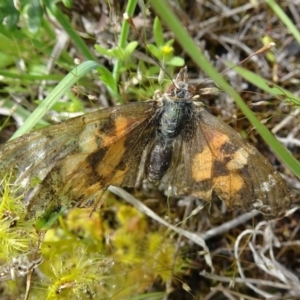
column 77, row 160
column 218, row 160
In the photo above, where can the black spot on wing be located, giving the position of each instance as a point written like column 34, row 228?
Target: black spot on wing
column 108, row 127
column 228, row 148
column 96, row 157
column 219, row 169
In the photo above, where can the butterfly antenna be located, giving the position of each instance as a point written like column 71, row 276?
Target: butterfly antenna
column 131, row 23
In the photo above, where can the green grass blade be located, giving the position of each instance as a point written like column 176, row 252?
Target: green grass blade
column 131, row 5
column 267, row 86
column 77, row 40
column 284, row 18
column 55, row 95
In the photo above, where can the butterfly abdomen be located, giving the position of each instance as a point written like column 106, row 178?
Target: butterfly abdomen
column 173, row 119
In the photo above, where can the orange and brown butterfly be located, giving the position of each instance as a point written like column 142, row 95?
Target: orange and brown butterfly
column 171, row 139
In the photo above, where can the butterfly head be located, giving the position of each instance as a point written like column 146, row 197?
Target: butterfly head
column 180, row 89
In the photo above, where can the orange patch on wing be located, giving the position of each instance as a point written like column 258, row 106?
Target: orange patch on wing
column 218, row 140
column 112, row 159
column 227, row 186
column 202, row 165
column 121, row 126
column 90, row 136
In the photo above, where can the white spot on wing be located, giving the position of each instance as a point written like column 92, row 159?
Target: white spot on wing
column 267, row 185
column 239, row 160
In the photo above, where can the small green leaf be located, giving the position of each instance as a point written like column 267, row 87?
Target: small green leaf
column 47, row 220
column 158, row 32
column 9, row 13
column 67, row 3
column 35, row 14
column 101, row 50
column 130, row 48
column 169, row 42
column 51, row 4
column 109, row 81
column 113, row 53
column 175, row 61
column 154, row 50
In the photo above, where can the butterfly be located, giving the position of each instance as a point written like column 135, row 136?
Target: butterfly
column 171, row 139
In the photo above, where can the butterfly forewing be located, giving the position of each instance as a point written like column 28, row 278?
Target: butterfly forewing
column 78, row 159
